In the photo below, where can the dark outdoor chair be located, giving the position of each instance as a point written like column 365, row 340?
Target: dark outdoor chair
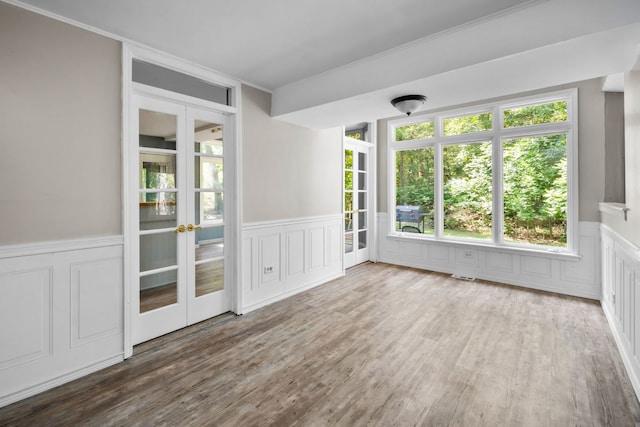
column 410, row 229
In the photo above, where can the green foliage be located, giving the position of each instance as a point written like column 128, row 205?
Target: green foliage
column 348, row 180
column 553, row 112
column 467, row 124
column 348, row 159
column 534, row 177
column 468, row 188
column 535, row 185
column 415, row 178
column 417, row 131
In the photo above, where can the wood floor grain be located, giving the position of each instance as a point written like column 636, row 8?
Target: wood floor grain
column 384, row 346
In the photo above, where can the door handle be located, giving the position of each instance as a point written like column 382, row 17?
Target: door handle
column 181, row 229
column 192, row 227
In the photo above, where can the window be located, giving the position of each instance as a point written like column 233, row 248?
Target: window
column 502, row 174
column 467, row 190
column 358, row 131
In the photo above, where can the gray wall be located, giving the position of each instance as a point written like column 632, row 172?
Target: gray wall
column 591, row 136
column 288, row 171
column 60, row 166
column 630, row 229
column 60, row 126
column 614, row 147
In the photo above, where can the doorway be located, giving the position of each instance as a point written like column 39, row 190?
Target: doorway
column 180, row 261
column 358, row 205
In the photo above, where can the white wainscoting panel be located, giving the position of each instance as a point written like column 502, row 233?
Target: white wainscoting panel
column 621, row 297
column 61, row 313
column 283, row 258
column 25, row 316
column 579, row 276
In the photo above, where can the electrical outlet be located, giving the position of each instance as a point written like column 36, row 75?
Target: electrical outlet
column 268, row 270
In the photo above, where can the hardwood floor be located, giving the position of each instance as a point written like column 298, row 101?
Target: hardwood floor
column 383, row 346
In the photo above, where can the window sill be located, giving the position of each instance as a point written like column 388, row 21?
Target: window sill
column 544, row 253
column 614, row 209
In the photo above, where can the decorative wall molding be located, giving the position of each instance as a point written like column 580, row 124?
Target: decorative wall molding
column 621, row 298
column 38, row 248
column 283, row 258
column 286, row 222
column 561, row 273
column 61, row 313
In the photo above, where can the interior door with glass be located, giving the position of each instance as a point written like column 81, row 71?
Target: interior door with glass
column 179, row 228
column 206, row 292
column 356, row 203
column 158, row 232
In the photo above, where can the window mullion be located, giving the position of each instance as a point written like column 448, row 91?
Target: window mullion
column 438, row 199
column 497, row 217
column 438, row 202
column 498, row 190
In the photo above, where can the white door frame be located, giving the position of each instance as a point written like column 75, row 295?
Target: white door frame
column 233, row 194
column 371, row 149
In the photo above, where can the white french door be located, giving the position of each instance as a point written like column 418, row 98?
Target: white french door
column 178, row 226
column 357, row 203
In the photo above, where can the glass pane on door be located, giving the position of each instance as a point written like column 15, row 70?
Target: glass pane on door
column 348, row 201
column 209, row 173
column 209, row 260
column 209, row 277
column 158, row 290
column 157, row 210
column 209, row 207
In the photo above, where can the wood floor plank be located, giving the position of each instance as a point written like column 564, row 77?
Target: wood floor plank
column 383, row 346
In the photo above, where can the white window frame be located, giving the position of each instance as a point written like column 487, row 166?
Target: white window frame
column 495, row 136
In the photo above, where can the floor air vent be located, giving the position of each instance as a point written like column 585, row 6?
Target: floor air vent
column 470, row 279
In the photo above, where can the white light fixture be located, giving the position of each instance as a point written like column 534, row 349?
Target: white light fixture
column 409, row 103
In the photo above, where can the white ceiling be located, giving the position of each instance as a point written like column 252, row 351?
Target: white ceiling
column 334, row 62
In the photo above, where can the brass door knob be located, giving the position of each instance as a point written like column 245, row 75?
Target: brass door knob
column 181, row 229
column 192, row 227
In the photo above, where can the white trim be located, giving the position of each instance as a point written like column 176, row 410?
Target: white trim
column 282, row 258
column 288, row 294
column 236, row 197
column 74, row 278
column 628, row 248
column 496, row 137
column 577, row 275
column 233, row 195
column 620, row 260
column 614, row 209
column 127, row 71
column 373, row 194
column 286, row 222
column 368, row 147
column 39, row 248
column 479, row 244
column 189, row 101
column 624, row 350
column 63, row 379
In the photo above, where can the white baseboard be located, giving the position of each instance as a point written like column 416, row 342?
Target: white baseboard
column 64, row 301
column 621, row 298
column 282, row 258
column 286, row 295
column 561, row 273
column 62, row 379
column 626, row 353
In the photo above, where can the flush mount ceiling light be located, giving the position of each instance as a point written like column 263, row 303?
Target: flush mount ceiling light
column 409, row 103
